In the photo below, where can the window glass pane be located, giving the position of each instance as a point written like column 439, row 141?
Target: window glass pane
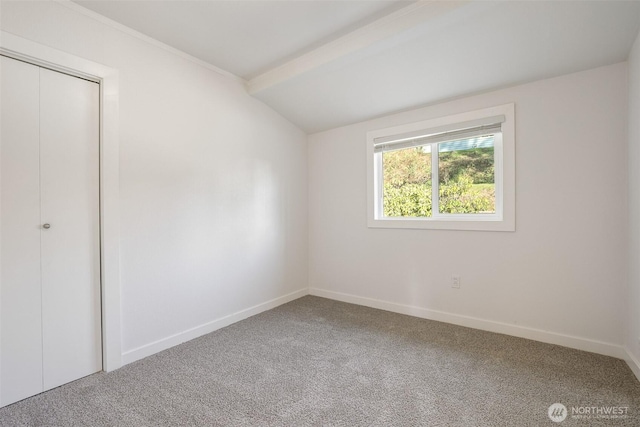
column 466, row 176
column 406, row 182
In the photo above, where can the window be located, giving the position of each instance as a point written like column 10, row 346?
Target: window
column 455, row 172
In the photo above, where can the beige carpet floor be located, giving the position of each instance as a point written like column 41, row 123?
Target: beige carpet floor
column 317, row 362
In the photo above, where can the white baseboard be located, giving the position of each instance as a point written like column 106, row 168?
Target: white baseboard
column 633, row 363
column 607, row 349
column 173, row 340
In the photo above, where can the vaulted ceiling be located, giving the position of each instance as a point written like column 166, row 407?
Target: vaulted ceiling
column 323, row 63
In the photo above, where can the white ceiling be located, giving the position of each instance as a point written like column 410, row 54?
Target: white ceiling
column 323, row 64
column 244, row 37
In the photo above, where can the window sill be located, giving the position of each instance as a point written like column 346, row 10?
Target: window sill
column 490, row 223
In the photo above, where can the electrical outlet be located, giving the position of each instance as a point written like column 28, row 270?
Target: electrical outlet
column 455, row 281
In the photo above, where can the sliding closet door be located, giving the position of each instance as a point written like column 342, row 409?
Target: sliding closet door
column 20, row 297
column 69, row 180
column 50, row 311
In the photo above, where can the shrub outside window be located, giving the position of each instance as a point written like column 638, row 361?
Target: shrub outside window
column 454, row 172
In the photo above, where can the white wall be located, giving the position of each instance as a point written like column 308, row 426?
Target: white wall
column 560, row 277
column 633, row 320
column 212, row 182
column 214, row 203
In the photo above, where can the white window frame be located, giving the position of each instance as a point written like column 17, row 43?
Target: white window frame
column 504, row 155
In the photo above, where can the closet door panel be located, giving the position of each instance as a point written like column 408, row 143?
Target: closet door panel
column 69, row 183
column 20, row 291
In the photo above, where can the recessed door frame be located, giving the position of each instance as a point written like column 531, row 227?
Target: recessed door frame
column 44, row 56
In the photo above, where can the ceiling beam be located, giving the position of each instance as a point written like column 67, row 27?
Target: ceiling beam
column 383, row 28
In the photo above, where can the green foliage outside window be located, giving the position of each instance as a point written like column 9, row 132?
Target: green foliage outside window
column 466, row 182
